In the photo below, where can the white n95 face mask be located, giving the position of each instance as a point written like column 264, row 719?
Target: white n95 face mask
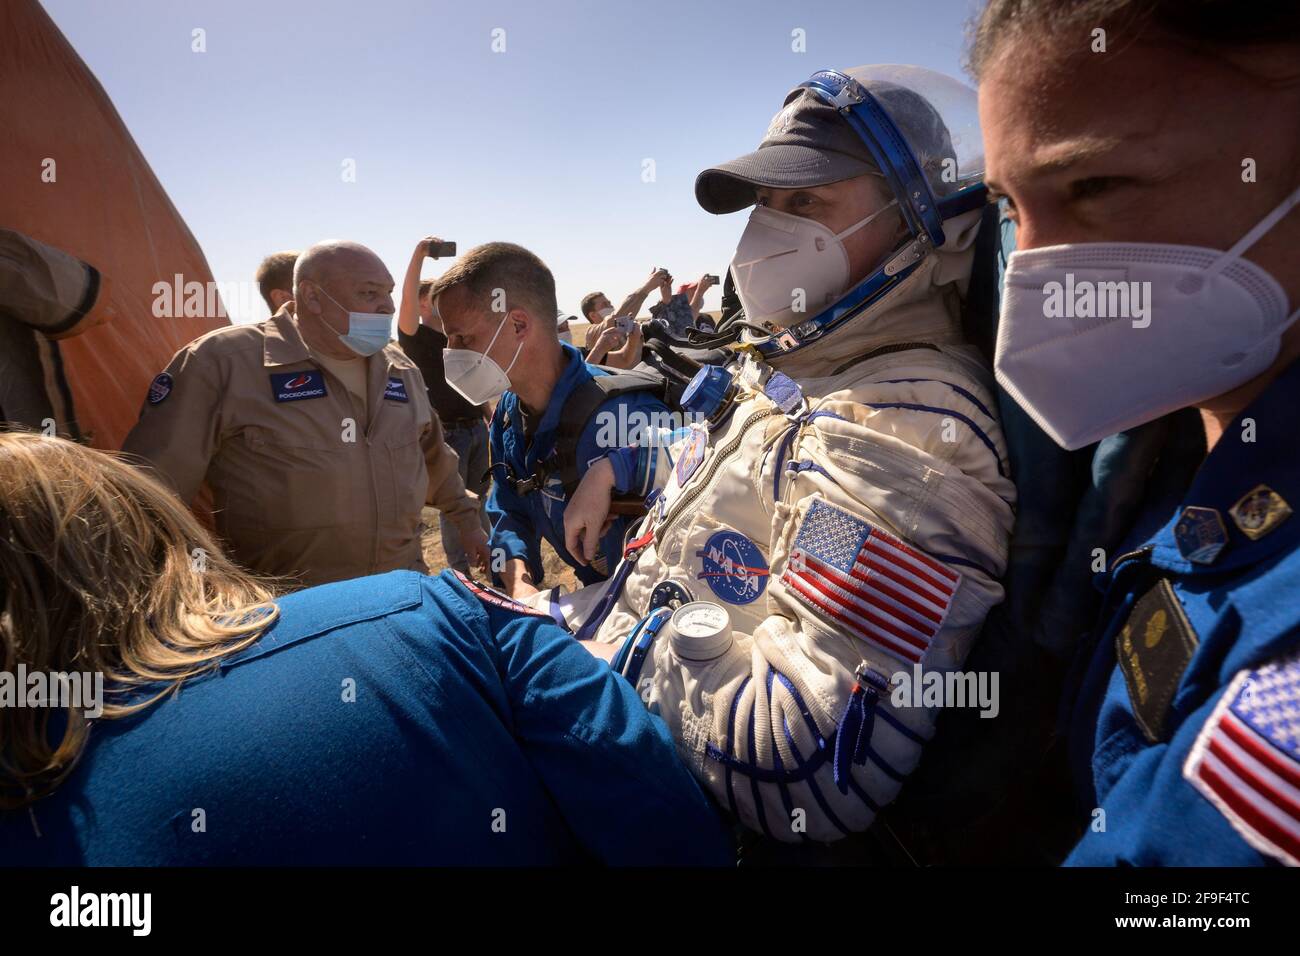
column 780, row 253
column 367, row 333
column 1096, row 338
column 477, row 377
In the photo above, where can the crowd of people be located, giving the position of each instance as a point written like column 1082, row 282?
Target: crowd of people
column 889, row 457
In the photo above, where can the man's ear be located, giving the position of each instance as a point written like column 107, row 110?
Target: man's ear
column 520, row 321
column 279, row 297
column 308, row 300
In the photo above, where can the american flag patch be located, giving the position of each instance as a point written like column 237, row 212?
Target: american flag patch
column 1246, row 760
column 869, row 582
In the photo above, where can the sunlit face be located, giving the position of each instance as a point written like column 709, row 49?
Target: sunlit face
column 469, row 326
column 1144, row 144
column 600, row 303
column 1149, row 143
column 361, row 284
column 354, row 281
column 838, row 206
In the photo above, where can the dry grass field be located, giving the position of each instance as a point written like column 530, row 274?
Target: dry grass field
column 557, row 572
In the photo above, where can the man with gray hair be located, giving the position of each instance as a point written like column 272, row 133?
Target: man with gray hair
column 313, row 429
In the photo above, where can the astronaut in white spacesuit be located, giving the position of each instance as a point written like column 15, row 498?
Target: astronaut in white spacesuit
column 839, row 513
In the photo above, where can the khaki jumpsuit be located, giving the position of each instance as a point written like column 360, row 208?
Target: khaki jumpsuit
column 306, row 484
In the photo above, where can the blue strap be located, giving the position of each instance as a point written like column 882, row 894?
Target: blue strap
column 901, row 727
column 654, row 623
column 620, row 659
column 798, row 467
column 816, row 415
column 853, row 734
column 783, row 392
column 607, row 600
column 964, row 562
column 782, row 450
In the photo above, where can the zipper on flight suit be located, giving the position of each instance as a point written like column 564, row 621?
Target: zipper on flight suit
column 372, row 419
column 370, row 456
column 1141, row 552
column 725, row 452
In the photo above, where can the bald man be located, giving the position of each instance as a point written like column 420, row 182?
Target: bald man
column 313, row 430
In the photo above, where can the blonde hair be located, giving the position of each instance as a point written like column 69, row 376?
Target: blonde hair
column 99, row 573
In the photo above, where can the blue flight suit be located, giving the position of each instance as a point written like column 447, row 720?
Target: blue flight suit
column 1189, row 710
column 393, row 719
column 519, row 522
column 999, row 791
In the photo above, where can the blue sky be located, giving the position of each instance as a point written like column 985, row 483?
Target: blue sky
column 543, row 144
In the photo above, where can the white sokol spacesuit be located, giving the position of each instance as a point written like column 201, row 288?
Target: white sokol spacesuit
column 848, row 504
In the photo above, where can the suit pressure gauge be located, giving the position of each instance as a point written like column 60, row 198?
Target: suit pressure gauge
column 701, row 631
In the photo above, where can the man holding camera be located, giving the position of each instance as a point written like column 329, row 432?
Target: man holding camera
column 464, row 425
column 615, row 338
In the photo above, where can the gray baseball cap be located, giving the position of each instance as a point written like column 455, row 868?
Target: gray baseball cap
column 809, row 143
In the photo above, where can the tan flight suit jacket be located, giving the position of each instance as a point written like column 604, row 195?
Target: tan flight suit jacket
column 305, row 483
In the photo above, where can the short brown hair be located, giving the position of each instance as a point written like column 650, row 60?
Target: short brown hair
column 276, row 272
column 425, row 286
column 589, row 303
column 1209, row 23
column 526, row 281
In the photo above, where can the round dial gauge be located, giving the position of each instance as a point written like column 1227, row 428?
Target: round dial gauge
column 701, row 631
column 700, row 619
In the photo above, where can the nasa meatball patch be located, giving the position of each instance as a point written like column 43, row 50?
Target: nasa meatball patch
column 160, row 388
column 733, row 567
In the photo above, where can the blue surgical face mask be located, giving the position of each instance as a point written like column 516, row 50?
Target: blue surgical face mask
column 368, row 332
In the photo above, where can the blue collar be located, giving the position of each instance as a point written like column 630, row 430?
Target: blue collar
column 1233, row 469
column 575, row 371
